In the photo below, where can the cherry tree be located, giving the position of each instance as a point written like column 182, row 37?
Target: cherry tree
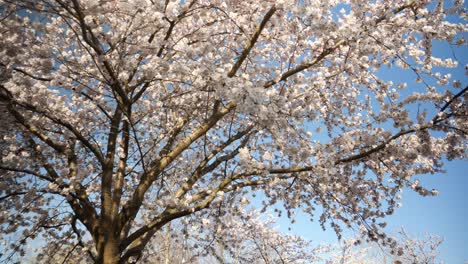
column 249, row 237
column 418, row 250
column 120, row 117
column 406, row 250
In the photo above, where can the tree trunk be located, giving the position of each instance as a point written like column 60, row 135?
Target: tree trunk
column 110, row 252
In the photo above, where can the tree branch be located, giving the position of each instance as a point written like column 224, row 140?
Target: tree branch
column 251, row 42
column 329, row 50
column 131, row 208
column 33, row 76
column 92, row 147
column 79, row 238
column 200, row 171
column 31, row 128
column 93, row 42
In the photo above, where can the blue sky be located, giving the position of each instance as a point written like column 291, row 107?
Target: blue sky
column 444, row 215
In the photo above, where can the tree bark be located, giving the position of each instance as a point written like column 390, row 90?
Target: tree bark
column 110, row 251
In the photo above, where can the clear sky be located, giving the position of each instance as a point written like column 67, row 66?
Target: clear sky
column 445, row 215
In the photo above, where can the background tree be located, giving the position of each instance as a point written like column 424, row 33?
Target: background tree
column 406, row 249
column 423, row 250
column 119, row 117
column 247, row 238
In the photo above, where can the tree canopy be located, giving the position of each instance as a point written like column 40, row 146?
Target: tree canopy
column 119, row 117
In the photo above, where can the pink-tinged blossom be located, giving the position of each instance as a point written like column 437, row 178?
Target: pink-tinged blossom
column 120, row 117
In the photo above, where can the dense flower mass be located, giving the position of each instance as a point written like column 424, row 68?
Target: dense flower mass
column 119, row 117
